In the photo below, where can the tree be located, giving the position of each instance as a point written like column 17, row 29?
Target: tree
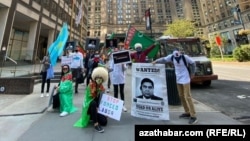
column 180, row 28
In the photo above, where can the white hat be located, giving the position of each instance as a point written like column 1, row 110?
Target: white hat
column 138, row 45
column 176, row 53
column 100, row 72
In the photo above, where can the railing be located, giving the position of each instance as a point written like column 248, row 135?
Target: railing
column 34, row 68
column 12, row 60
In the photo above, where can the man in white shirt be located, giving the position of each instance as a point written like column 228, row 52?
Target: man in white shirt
column 183, row 78
column 76, row 66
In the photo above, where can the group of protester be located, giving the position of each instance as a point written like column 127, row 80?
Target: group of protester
column 97, row 72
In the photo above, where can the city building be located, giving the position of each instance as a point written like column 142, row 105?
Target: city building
column 29, row 27
column 226, row 18
column 114, row 16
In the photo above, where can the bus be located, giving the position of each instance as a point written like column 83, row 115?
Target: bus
column 192, row 47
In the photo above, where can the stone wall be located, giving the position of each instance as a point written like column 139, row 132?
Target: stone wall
column 17, row 85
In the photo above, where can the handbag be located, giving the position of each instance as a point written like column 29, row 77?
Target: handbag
column 80, row 78
column 50, row 72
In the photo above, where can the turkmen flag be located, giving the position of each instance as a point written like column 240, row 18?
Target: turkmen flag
column 134, row 36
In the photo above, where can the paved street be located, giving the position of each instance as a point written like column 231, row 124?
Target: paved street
column 24, row 118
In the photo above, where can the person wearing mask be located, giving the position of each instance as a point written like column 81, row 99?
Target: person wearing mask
column 183, row 78
column 94, row 62
column 65, row 90
column 91, row 101
column 45, row 66
column 76, row 67
column 140, row 55
column 117, row 77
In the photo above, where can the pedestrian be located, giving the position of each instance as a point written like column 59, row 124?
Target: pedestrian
column 76, row 67
column 65, row 90
column 183, row 78
column 89, row 56
column 140, row 55
column 117, row 77
column 108, row 63
column 92, row 100
column 94, row 62
column 45, row 66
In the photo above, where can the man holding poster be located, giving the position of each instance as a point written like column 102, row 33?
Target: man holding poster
column 149, row 91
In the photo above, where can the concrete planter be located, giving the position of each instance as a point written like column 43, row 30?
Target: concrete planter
column 17, row 85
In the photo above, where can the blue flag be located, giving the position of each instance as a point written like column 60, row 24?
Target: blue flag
column 56, row 48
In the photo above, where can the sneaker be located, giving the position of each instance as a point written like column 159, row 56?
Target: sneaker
column 107, row 91
column 76, row 92
column 42, row 95
column 192, row 120
column 124, row 109
column 47, row 94
column 99, row 129
column 184, row 115
column 64, row 114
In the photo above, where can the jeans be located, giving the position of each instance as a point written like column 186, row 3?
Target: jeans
column 44, row 75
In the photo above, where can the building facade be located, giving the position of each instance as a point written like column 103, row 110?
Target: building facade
column 226, row 18
column 114, row 16
column 28, row 27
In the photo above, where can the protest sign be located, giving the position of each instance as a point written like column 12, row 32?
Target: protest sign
column 121, row 57
column 110, row 106
column 149, row 91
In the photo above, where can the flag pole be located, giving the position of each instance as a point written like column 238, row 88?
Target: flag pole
column 71, row 21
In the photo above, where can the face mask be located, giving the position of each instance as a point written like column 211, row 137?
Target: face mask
column 138, row 49
column 98, row 81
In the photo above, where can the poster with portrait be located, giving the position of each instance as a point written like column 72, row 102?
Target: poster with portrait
column 111, row 43
column 121, row 57
column 149, row 91
column 92, row 44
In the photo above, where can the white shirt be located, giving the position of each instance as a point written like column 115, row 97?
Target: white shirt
column 77, row 60
column 117, row 76
column 181, row 72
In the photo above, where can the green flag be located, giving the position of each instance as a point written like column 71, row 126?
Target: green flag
column 134, row 36
column 110, row 37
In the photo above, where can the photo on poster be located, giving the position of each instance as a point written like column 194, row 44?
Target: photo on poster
column 121, row 57
column 71, row 45
column 146, row 89
column 92, row 44
column 149, row 91
column 111, row 43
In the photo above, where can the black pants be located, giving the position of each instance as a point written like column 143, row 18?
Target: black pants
column 116, row 87
column 75, row 73
column 109, row 83
column 86, row 77
column 56, row 101
column 95, row 116
column 44, row 75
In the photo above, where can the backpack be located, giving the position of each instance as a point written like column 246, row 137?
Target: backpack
column 184, row 61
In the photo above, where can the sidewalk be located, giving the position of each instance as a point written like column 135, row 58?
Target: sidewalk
column 24, row 118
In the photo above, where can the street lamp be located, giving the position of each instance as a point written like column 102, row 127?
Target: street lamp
column 235, row 9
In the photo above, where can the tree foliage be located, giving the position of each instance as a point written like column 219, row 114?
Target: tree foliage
column 180, row 28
